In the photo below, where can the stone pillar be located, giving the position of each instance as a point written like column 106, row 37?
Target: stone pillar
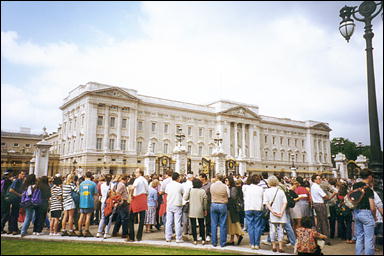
column 251, row 142
column 132, row 130
column 32, row 166
column 242, row 166
column 42, row 158
column 361, row 161
column 118, row 131
column 236, row 141
column 180, row 156
column 243, row 138
column 106, row 131
column 341, row 165
column 91, row 126
column 149, row 161
column 258, row 144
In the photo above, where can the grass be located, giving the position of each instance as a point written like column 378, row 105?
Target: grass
column 34, row 247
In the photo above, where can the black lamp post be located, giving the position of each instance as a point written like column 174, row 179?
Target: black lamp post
column 368, row 10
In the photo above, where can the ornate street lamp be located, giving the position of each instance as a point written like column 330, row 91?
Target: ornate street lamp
column 179, row 136
column 339, row 143
column 293, row 168
column 218, row 140
column 368, row 10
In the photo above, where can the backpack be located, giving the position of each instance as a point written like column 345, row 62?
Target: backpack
column 353, row 198
column 36, row 197
column 290, row 195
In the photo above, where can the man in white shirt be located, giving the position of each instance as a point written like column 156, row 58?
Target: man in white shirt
column 187, row 185
column 167, row 179
column 140, row 186
column 174, row 191
column 318, row 196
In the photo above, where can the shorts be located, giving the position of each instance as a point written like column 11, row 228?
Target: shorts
column 86, row 210
column 70, row 206
column 56, row 214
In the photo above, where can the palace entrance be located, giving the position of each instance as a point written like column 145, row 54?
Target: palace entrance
column 163, row 164
column 208, row 167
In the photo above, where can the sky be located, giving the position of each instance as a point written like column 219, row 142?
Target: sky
column 288, row 58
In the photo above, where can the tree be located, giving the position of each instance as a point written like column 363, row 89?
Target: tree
column 349, row 148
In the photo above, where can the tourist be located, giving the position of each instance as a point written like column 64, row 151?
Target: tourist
column 253, row 206
column 88, row 193
column 197, row 208
column 307, row 238
column 233, row 217
column 276, row 202
column 163, row 207
column 6, row 183
column 174, row 191
column 41, row 213
column 150, row 214
column 14, row 197
column 301, row 208
column 344, row 214
column 122, row 209
column 318, row 197
column 206, row 184
column 219, row 194
column 328, row 186
column 29, row 187
column 56, row 205
column 239, row 185
column 105, row 223
column 69, row 205
column 187, row 185
column 365, row 215
column 139, row 200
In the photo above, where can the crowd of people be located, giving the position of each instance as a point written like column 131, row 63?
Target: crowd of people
column 306, row 210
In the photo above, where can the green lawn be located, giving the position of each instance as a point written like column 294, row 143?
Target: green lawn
column 35, row 247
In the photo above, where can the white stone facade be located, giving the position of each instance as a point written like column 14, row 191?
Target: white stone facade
column 109, row 126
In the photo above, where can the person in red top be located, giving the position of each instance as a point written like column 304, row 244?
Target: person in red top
column 301, row 208
column 306, row 238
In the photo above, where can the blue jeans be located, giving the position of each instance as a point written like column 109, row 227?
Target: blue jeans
column 288, row 227
column 255, row 226
column 219, row 217
column 29, row 212
column 364, row 230
column 174, row 215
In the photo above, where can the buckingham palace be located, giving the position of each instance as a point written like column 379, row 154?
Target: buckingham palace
column 112, row 128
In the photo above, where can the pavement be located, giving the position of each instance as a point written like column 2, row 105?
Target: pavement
column 156, row 238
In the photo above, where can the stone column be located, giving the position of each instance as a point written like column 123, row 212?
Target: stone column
column 361, row 161
column 149, row 161
column 106, row 129
column 341, row 165
column 219, row 158
column 309, row 147
column 251, row 142
column 42, row 158
column 258, row 145
column 242, row 165
column 236, row 141
column 91, row 126
column 243, row 138
column 118, row 131
column 180, row 156
column 32, row 166
column 132, row 130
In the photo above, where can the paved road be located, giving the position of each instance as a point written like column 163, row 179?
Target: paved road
column 338, row 246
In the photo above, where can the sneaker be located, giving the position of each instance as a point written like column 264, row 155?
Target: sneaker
column 98, row 235
column 107, row 236
column 51, row 234
column 179, row 241
column 290, row 245
column 87, row 234
column 199, row 238
column 57, row 234
column 64, row 233
column 208, row 239
column 252, row 247
column 195, row 242
column 80, row 234
column 257, row 247
column 72, row 233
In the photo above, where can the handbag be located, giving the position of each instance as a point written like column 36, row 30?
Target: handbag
column 266, row 210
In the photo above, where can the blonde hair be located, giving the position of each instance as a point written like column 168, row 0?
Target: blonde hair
column 273, row 181
column 69, row 179
column 155, row 183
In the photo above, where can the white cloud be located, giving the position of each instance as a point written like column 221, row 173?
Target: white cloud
column 200, row 52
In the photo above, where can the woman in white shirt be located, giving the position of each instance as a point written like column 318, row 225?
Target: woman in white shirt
column 105, row 223
column 276, row 202
column 253, row 205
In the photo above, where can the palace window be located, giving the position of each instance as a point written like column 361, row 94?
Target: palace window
column 200, row 150
column 165, row 128
column 15, row 144
column 140, row 125
column 153, row 147
column 274, row 155
column 139, row 147
column 295, row 142
column 165, row 148
column 122, row 146
column 112, row 123
column 189, row 149
column 189, row 131
column 153, row 127
column 124, row 123
column 99, row 121
column 282, row 157
column 273, row 140
column 210, row 133
column 281, row 140
column 26, row 145
column 265, row 139
column 289, row 141
column 200, row 132
column 111, row 144
column 98, row 143
column 266, row 155
column 303, row 158
column 210, row 150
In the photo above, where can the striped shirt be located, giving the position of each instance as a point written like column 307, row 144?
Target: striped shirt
column 56, row 192
column 67, row 197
